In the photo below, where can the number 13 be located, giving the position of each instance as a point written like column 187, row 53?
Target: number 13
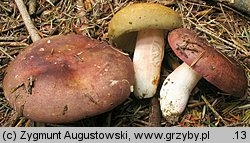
column 241, row 135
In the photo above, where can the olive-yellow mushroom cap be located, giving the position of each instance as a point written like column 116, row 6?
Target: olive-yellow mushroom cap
column 124, row 25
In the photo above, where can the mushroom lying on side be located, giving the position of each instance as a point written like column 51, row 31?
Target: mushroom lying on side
column 66, row 78
column 200, row 60
column 142, row 27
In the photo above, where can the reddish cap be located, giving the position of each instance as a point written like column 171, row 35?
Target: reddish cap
column 66, row 78
column 222, row 71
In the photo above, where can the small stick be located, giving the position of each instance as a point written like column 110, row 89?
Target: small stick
column 2, row 50
column 5, row 8
column 28, row 123
column 15, row 44
column 215, row 112
column 11, row 28
column 240, row 124
column 19, row 124
column 155, row 112
column 197, row 59
column 12, row 38
column 232, row 9
column 4, row 66
column 198, row 104
column 238, row 47
column 27, row 21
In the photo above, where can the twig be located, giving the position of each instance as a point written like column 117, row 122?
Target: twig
column 215, row 112
column 197, row 59
column 28, row 123
column 27, row 21
column 155, row 112
column 5, row 8
column 13, row 44
column 14, row 27
column 4, row 66
column 242, row 49
column 12, row 38
column 241, row 124
column 2, row 50
column 19, row 124
column 198, row 104
column 39, row 11
column 235, row 11
column 229, row 24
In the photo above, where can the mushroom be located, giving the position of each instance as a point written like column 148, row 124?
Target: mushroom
column 200, row 60
column 66, row 78
column 141, row 28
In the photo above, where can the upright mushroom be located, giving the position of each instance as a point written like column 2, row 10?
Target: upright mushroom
column 200, row 60
column 66, row 78
column 141, row 27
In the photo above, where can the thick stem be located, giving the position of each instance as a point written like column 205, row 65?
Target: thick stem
column 148, row 56
column 175, row 91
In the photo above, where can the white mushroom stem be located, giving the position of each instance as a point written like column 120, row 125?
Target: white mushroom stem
column 175, row 91
column 148, row 56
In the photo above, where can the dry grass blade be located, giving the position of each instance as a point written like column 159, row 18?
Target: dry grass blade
column 214, row 111
column 15, row 44
column 244, row 106
column 246, row 117
column 13, row 39
column 11, row 28
column 3, row 51
column 240, row 48
column 230, row 108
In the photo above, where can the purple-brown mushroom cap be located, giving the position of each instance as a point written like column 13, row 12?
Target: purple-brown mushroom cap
column 66, row 78
column 220, row 70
